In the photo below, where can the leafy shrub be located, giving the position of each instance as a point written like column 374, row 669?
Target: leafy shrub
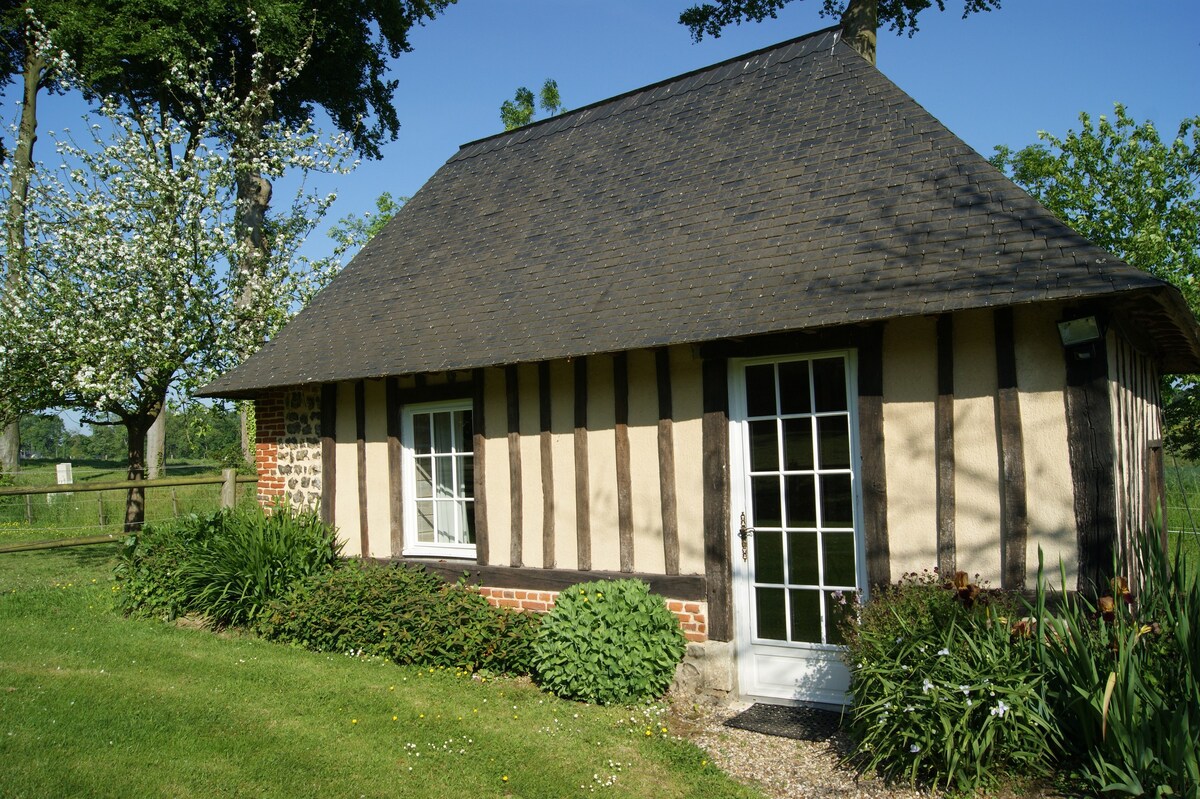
column 1123, row 679
column 225, row 566
column 407, row 615
column 608, row 642
column 944, row 692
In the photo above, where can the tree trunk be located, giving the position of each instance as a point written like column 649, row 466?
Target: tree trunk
column 34, row 68
column 135, row 501
column 860, row 23
column 245, row 423
column 156, row 438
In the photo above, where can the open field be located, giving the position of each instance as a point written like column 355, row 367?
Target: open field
column 93, row 704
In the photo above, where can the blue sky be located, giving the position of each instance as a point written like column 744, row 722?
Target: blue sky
column 991, row 78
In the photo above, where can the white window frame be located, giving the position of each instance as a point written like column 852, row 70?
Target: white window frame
column 408, row 473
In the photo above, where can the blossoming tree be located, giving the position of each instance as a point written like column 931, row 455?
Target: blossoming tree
column 132, row 260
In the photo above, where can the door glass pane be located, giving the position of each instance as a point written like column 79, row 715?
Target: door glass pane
column 421, row 433
column 837, row 610
column 834, row 436
column 829, row 382
column 767, row 512
column 793, row 387
column 806, row 616
column 764, row 448
column 772, row 613
column 422, row 467
column 768, row 556
column 760, row 390
column 444, row 471
column 425, row 522
column 466, row 475
column 441, row 432
column 837, row 506
column 462, row 431
column 797, row 444
column 469, row 519
column 801, row 500
column 802, row 559
column 839, row 559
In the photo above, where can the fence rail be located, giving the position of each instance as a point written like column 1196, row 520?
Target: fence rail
column 228, row 480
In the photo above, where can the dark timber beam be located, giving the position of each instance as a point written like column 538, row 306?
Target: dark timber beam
column 666, row 461
column 624, row 475
column 947, row 551
column 715, row 445
column 1014, row 522
column 583, row 503
column 360, row 440
column 391, row 388
column 480, row 488
column 546, row 443
column 329, row 394
column 874, row 469
column 512, row 394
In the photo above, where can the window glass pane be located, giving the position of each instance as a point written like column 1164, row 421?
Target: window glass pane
column 793, row 387
column 764, row 448
column 802, row 559
column 444, row 472
column 834, row 434
column 462, row 427
column 766, row 501
column 422, row 467
column 760, row 390
column 466, row 475
column 837, row 508
column 768, row 556
column 441, row 432
column 801, row 500
column 421, row 433
column 839, row 559
column 772, row 613
column 837, row 610
column 445, row 521
column 469, row 517
column 797, row 444
column 829, row 379
column 806, row 616
column 425, row 521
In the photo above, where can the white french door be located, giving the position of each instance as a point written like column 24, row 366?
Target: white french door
column 796, row 522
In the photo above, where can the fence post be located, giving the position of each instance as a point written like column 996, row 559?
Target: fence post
column 228, row 488
column 29, row 510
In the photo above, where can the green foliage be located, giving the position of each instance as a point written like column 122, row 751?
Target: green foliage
column 1119, row 184
column 351, row 233
column 944, row 692
column 1124, row 680
column 520, row 110
column 608, row 642
column 407, row 615
column 225, row 567
column 900, row 15
column 204, row 432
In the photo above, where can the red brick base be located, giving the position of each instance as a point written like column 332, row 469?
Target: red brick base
column 691, row 615
column 268, row 429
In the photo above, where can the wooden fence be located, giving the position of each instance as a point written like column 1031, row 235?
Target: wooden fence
column 228, row 480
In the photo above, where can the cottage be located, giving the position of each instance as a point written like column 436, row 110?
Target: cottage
column 764, row 334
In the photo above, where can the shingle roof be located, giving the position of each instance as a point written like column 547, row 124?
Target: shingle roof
column 791, row 188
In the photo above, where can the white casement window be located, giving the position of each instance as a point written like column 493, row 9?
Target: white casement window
column 439, row 476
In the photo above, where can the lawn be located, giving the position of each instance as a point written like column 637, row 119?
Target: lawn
column 94, row 704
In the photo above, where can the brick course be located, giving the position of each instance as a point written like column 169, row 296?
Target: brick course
column 693, row 616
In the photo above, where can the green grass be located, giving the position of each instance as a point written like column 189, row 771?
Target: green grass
column 93, row 704
column 72, row 514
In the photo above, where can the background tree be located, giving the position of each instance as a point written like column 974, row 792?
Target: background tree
column 1119, row 184
column 859, row 18
column 519, row 111
column 352, row 232
column 44, row 435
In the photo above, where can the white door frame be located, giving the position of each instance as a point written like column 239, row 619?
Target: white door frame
column 785, row 672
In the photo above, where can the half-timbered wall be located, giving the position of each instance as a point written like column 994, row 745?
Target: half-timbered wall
column 976, row 445
column 287, row 448
column 1136, row 426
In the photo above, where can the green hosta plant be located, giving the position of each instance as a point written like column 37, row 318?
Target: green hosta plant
column 608, row 642
column 944, row 691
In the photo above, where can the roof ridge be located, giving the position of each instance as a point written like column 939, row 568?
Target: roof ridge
column 650, row 87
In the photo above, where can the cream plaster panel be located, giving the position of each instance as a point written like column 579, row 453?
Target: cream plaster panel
column 379, row 506
column 531, row 467
column 976, row 451
column 345, row 505
column 1041, row 378
column 495, row 475
column 687, row 400
column 646, row 495
column 602, row 465
column 909, row 436
column 562, row 445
